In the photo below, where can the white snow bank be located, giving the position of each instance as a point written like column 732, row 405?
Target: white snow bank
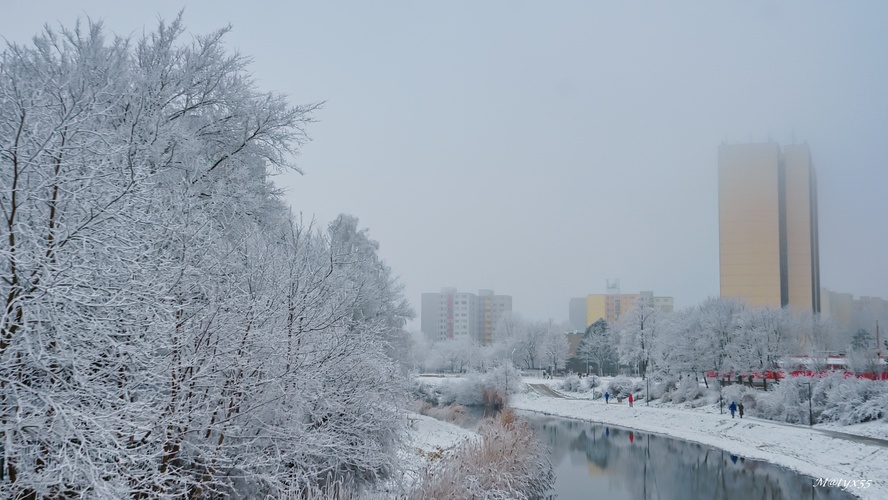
column 430, row 439
column 426, row 439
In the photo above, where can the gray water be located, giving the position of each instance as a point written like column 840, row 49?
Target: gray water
column 598, row 461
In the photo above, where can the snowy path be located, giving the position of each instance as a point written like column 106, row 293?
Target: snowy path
column 830, row 433
column 545, row 390
column 820, row 454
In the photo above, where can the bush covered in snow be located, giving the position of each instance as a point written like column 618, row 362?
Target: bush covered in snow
column 621, row 387
column 508, row 462
column 478, row 389
column 573, row 383
column 742, row 394
column 592, row 381
column 687, row 389
column 467, row 391
column 661, row 385
column 851, row 401
column 425, row 392
column 833, row 399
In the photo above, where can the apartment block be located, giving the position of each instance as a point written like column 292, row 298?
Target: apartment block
column 453, row 315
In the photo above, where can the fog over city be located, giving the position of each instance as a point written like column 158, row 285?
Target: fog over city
column 540, row 149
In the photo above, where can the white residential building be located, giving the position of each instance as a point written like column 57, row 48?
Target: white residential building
column 452, row 315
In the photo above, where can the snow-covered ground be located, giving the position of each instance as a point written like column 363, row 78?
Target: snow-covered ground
column 429, row 439
column 797, row 447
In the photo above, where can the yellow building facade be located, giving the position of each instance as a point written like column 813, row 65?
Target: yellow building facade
column 768, row 241
column 611, row 306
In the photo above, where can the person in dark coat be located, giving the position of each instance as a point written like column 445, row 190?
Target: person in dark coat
column 607, row 397
column 733, row 408
column 740, row 409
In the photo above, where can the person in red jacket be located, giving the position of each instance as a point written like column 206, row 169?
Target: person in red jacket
column 630, row 399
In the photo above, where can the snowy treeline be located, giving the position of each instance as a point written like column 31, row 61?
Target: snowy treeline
column 527, row 344
column 721, row 335
column 168, row 327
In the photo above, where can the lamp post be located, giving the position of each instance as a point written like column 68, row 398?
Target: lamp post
column 508, row 371
column 810, row 412
column 647, row 392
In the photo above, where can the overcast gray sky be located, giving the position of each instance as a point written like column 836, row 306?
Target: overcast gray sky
column 541, row 148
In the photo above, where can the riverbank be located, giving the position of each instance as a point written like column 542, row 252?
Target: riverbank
column 798, row 448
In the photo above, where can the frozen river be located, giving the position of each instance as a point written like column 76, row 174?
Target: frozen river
column 599, row 461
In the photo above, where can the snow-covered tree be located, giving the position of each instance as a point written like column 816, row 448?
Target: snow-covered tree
column 527, row 344
column 678, row 349
column 718, row 327
column 818, row 336
column 862, row 353
column 598, row 345
column 764, row 336
column 638, row 329
column 555, row 347
column 454, row 355
column 862, row 340
column 169, row 329
column 696, row 339
column 507, row 328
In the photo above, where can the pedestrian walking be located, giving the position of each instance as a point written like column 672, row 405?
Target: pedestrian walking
column 740, row 409
column 607, row 397
column 630, row 400
column 733, row 408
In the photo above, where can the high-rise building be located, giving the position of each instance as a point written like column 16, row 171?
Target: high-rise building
column 768, row 241
column 452, row 315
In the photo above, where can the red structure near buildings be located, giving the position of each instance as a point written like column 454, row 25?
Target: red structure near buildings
column 804, row 366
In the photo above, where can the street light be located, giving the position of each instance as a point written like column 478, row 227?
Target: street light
column 810, row 412
column 509, row 371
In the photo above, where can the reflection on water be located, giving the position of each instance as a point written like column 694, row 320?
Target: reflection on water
column 596, row 461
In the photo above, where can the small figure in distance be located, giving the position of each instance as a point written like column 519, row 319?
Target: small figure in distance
column 630, row 400
column 607, row 397
column 740, row 409
column 733, row 408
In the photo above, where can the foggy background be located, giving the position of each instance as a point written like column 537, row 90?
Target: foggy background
column 542, row 149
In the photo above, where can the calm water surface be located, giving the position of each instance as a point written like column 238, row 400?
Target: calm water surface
column 597, row 461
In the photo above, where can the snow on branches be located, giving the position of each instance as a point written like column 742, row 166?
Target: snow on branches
column 168, row 328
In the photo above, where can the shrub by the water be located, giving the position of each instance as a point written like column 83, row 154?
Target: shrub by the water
column 508, row 462
column 474, row 389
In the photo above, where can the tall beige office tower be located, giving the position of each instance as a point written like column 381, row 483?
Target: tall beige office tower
column 767, row 209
